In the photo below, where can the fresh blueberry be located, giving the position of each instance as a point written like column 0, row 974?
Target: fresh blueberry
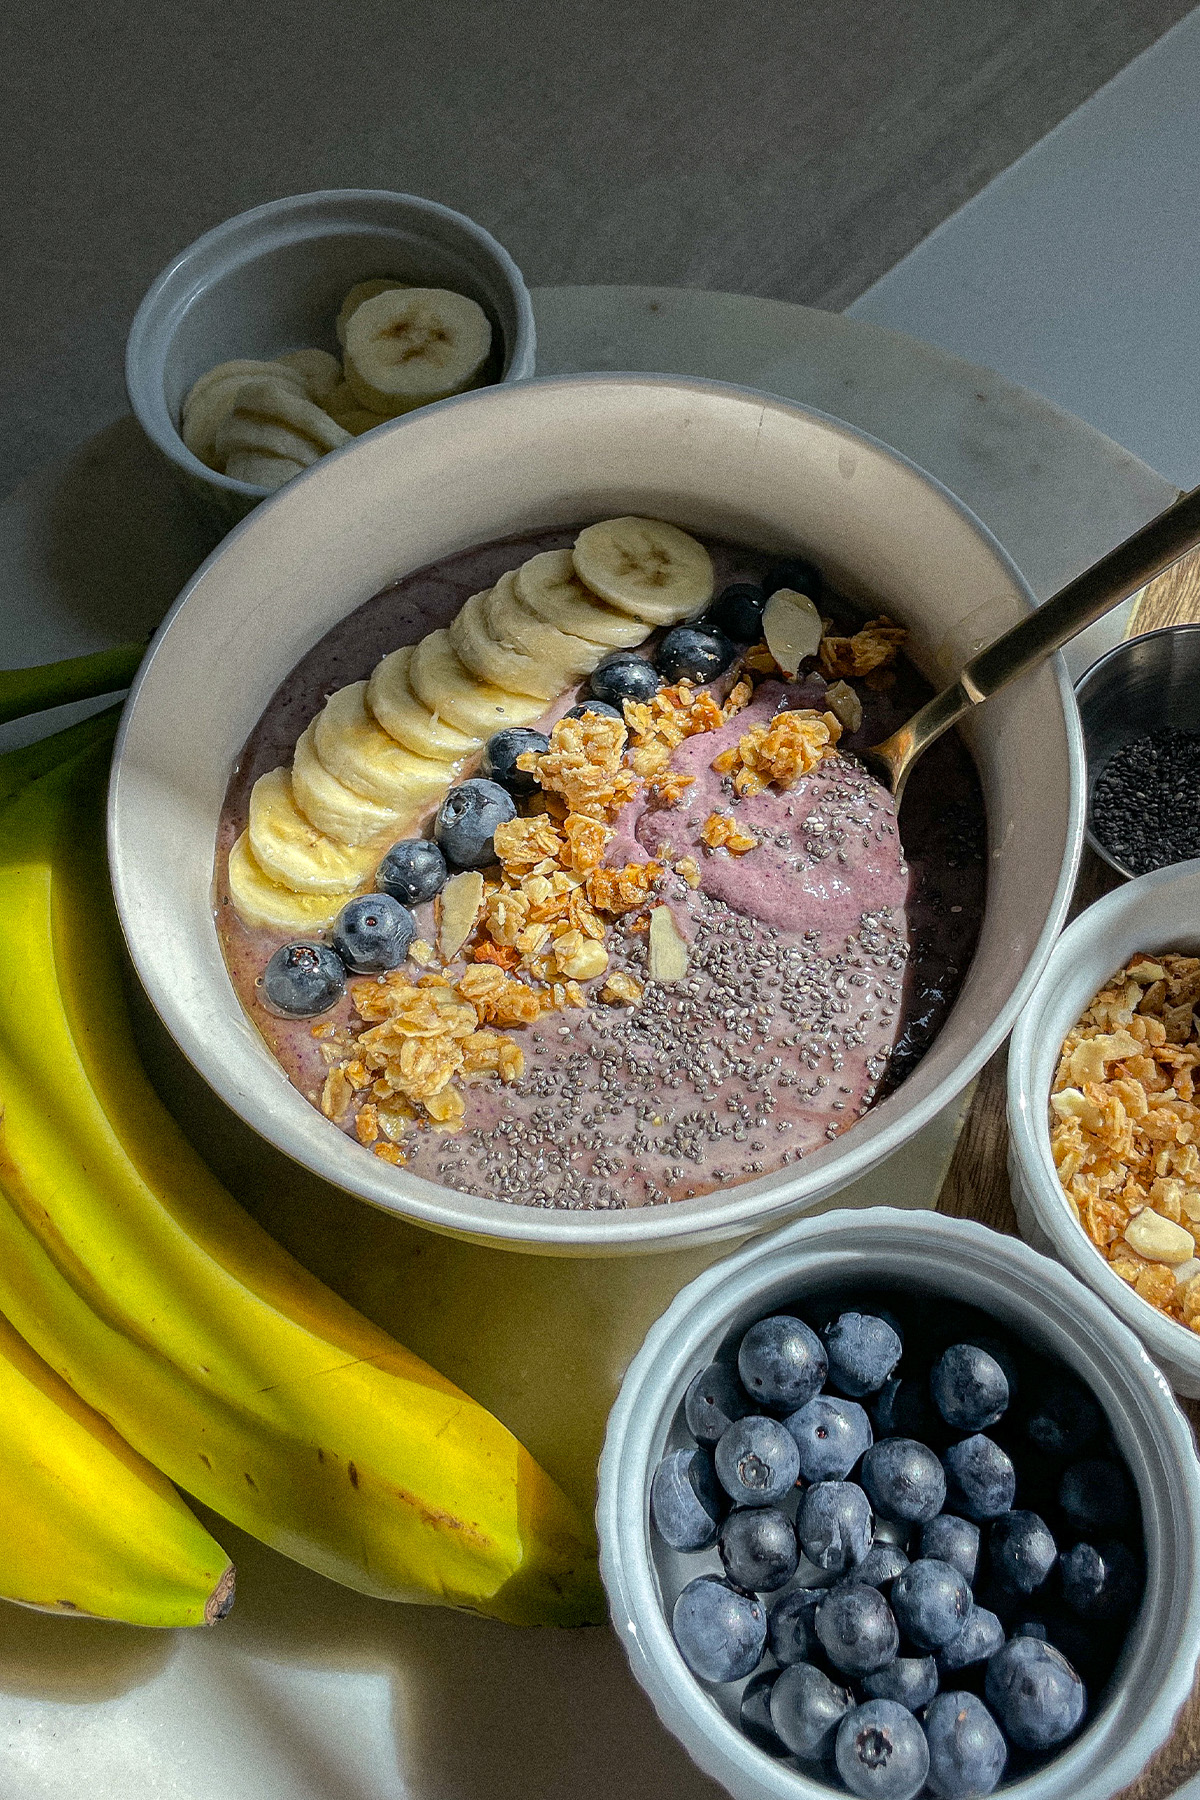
column 834, row 1525
column 880, row 1566
column 302, row 980
column 910, row 1680
column 797, row 573
column 373, row 933
column 1063, row 1419
column 954, row 1541
column 863, row 1350
column 758, row 1550
column 1023, row 1552
column 714, row 1399
column 754, row 1713
column 500, row 753
column 413, row 870
column 1035, row 1694
column 1095, row 1496
column 806, row 1710
column 737, row 612
column 856, row 1628
column 969, row 1387
column 831, row 1435
column 598, row 708
column 791, row 1632
column 1000, row 1351
column 1100, row 1581
column 686, row 654
column 881, row 1753
column 967, row 1752
column 466, row 822
column 902, row 1408
column 931, row 1601
column 624, row 676
column 980, row 1478
column 757, row 1461
column 720, row 1632
column 686, row 1502
column 781, row 1362
column 981, row 1636
column 904, row 1480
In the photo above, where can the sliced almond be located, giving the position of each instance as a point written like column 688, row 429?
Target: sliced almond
column 792, row 628
column 668, row 953
column 845, row 705
column 462, row 899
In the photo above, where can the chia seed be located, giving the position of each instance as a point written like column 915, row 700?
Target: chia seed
column 1144, row 804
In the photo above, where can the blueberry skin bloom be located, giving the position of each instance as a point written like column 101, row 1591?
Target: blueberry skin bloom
column 969, row 1387
column 912, row 1681
column 1100, row 1582
column 599, row 709
column 831, row 1436
column 881, row 1753
column 834, row 1525
column 904, row 1480
column 1023, row 1551
column 500, row 753
column 967, row 1752
column 856, row 1628
column 714, row 1399
column 1034, row 1693
column 791, row 1630
column 953, row 1540
column 466, row 822
column 737, row 612
column 413, row 870
column 806, row 1710
column 931, row 1602
column 754, row 1714
column 863, row 1350
column 302, row 980
column 757, row 1461
column 687, row 654
column 782, row 1363
column 686, row 1501
column 880, row 1566
column 980, row 1478
column 1095, row 1495
column 624, row 676
column 720, row 1632
column 980, row 1638
column 758, row 1549
column 373, row 933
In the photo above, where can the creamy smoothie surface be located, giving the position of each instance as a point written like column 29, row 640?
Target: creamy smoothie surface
column 817, row 946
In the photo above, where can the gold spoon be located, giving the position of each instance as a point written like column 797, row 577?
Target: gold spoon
column 1130, row 566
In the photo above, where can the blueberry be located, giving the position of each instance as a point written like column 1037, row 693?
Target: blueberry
column 797, row 573
column 1035, row 1694
column 880, row 1566
column 687, row 654
column 1095, row 1495
column 466, row 822
column 757, row 1461
column 624, row 676
column 1063, row 1419
column 413, row 870
column 720, row 1632
column 1023, row 1552
column 781, row 1362
column 952, row 1540
column 856, row 1628
column 373, row 933
column 910, row 1680
column 981, row 1636
column 831, row 1435
column 902, row 1408
column 834, row 1525
column 904, row 1480
column 881, row 1753
column 598, row 709
column 863, row 1350
column 806, row 1710
column 1001, row 1352
column 737, row 612
column 758, row 1550
column 1100, row 1582
column 980, row 1478
column 500, row 753
column 969, row 1387
column 686, row 1502
column 967, row 1752
column 931, row 1601
column 791, row 1632
column 714, row 1399
column 302, row 980
column 754, row 1713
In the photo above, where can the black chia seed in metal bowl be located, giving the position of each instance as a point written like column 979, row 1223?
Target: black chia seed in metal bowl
column 1145, row 807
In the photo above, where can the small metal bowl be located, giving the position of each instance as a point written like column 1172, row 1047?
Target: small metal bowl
column 1148, row 683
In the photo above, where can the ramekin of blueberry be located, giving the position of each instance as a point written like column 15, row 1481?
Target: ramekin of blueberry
column 891, row 1505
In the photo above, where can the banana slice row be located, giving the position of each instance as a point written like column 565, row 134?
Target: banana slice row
column 383, row 751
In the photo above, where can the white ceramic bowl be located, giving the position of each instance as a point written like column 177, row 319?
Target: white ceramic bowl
column 1036, row 1298
column 1156, row 912
column 511, row 459
column 272, row 279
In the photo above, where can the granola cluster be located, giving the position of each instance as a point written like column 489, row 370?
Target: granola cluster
column 657, row 727
column 869, row 652
column 1125, row 1129
column 789, row 746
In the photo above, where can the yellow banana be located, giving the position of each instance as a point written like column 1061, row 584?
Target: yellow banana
column 135, row 1275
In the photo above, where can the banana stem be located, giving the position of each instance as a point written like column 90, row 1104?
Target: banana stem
column 25, row 691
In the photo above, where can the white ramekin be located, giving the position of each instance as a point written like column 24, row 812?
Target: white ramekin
column 272, row 279
column 1157, row 912
column 1030, row 1294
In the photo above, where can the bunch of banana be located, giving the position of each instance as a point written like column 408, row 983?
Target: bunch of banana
column 135, row 1276
column 383, row 751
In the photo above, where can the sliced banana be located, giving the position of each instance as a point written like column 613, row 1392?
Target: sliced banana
column 391, row 699
column 444, row 686
column 214, row 397
column 333, row 808
column 288, row 850
column 515, row 627
column 263, row 905
column 249, row 434
column 548, row 585
column 645, row 567
column 361, row 755
column 261, row 468
column 408, row 346
column 479, row 652
column 320, row 372
column 269, row 415
column 363, row 290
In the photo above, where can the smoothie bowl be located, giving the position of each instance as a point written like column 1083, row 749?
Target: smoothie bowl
column 658, row 962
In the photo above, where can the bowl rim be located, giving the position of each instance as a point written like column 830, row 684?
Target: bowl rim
column 143, row 377
column 552, row 1231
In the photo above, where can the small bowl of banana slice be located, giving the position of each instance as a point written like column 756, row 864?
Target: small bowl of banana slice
column 294, row 328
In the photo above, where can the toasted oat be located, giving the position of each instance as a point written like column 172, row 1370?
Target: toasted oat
column 389, row 1153
column 583, row 766
column 579, row 958
column 669, row 787
column 528, row 846
column 586, row 841
column 790, row 745
column 622, row 890
column 689, row 868
column 622, row 990
column 337, row 1095
column 423, row 954
column 722, row 831
column 876, row 646
column 759, row 658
